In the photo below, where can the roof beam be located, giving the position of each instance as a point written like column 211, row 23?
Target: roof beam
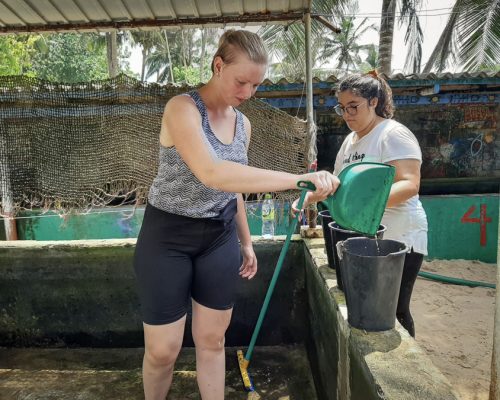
column 327, row 23
column 111, row 25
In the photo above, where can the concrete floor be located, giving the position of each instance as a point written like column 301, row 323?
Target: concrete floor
column 278, row 372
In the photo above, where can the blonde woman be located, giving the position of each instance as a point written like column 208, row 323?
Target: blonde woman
column 194, row 243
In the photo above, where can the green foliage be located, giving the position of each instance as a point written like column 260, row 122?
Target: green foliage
column 371, row 61
column 189, row 75
column 188, row 50
column 344, row 47
column 15, row 53
column 9, row 64
column 341, row 51
column 470, row 38
column 70, row 57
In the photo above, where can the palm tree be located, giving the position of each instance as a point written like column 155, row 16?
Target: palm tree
column 208, row 40
column 159, row 60
column 471, row 37
column 146, row 40
column 386, row 35
column 344, row 45
column 112, row 53
column 371, row 61
column 180, row 55
column 413, row 37
column 286, row 50
column 112, row 41
column 285, row 44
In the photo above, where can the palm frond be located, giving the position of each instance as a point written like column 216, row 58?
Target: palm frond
column 414, row 36
column 479, row 35
column 471, row 37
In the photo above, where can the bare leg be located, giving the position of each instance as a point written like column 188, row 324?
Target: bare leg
column 209, row 328
column 162, row 346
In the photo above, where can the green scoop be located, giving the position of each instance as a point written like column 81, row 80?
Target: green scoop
column 359, row 202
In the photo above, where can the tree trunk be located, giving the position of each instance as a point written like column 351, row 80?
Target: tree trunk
column 169, row 58
column 386, row 36
column 202, row 58
column 184, row 57
column 143, row 64
column 112, row 54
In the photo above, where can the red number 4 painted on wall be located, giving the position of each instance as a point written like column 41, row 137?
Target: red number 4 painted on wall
column 482, row 220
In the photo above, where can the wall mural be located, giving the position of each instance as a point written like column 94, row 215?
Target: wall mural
column 457, row 141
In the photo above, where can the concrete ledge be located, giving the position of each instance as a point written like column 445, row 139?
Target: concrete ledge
column 59, row 244
column 99, row 243
column 349, row 363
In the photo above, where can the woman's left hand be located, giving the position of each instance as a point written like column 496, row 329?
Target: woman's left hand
column 248, row 268
column 307, row 200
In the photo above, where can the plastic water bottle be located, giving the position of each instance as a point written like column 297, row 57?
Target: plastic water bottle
column 267, row 217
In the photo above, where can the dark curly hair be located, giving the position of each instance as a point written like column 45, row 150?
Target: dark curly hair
column 370, row 86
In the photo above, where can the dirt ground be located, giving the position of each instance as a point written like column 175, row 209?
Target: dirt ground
column 454, row 324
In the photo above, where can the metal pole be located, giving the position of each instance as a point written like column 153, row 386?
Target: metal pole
column 495, row 358
column 311, row 126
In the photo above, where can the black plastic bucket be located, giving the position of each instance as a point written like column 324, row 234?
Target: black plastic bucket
column 338, row 234
column 372, row 271
column 327, row 236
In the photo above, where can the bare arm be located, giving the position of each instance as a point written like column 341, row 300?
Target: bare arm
column 248, row 268
column 181, row 124
column 406, row 182
column 241, row 216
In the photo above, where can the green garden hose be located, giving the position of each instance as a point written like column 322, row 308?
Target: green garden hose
column 455, row 281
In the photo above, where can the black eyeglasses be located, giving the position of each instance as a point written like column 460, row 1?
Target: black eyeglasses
column 351, row 110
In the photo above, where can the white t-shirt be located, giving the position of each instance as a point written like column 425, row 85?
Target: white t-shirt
column 390, row 141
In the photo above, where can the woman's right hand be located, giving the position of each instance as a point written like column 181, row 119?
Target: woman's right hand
column 325, row 182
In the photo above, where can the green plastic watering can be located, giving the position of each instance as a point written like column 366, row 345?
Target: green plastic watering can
column 359, row 202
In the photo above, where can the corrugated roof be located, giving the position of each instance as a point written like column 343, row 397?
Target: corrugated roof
column 412, row 79
column 19, row 16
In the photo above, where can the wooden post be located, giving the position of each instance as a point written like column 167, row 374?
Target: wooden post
column 10, row 227
column 7, row 198
column 312, row 211
column 8, row 212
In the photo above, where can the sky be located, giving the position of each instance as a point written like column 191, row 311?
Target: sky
column 433, row 18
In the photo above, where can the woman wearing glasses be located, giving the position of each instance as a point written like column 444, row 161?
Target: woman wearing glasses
column 365, row 103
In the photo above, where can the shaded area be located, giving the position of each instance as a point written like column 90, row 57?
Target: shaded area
column 83, row 294
column 278, row 372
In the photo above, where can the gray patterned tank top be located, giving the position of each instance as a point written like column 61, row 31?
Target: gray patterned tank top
column 175, row 188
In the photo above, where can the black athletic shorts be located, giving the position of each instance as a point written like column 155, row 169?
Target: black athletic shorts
column 178, row 257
